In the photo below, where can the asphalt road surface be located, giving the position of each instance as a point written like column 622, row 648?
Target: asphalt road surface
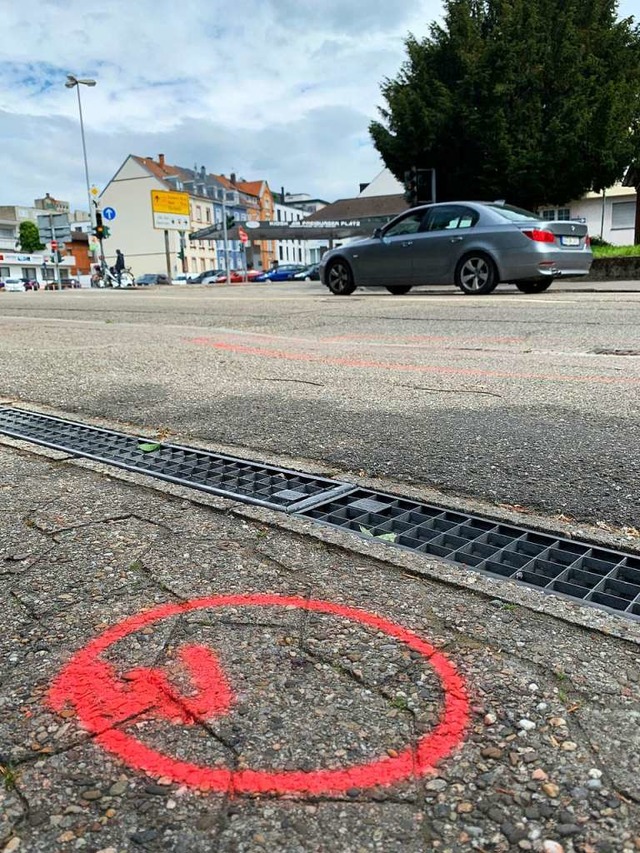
column 522, row 400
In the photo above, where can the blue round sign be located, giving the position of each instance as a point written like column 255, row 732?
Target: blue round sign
column 109, row 213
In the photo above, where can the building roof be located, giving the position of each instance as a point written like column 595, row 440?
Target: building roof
column 251, row 187
column 359, row 208
column 241, row 186
column 160, row 170
column 632, row 178
column 619, row 189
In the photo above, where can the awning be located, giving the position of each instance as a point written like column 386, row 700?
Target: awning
column 302, row 229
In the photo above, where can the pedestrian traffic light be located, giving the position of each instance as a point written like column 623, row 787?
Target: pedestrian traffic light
column 411, row 186
column 231, row 220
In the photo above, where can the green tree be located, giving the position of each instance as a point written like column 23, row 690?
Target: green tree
column 29, row 238
column 535, row 101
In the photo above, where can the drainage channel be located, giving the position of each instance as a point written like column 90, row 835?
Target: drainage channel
column 595, row 576
column 228, row 476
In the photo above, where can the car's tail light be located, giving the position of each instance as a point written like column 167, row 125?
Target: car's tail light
column 539, row 236
column 587, row 241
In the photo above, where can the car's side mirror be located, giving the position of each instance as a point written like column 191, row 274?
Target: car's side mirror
column 377, row 232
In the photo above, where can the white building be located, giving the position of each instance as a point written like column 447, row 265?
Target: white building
column 304, row 252
column 17, row 264
column 610, row 215
column 132, row 231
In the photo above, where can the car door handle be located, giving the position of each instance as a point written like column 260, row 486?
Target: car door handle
column 408, row 243
column 456, row 239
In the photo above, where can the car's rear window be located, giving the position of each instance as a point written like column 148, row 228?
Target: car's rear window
column 514, row 214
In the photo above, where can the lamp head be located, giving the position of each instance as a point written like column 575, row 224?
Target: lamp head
column 76, row 81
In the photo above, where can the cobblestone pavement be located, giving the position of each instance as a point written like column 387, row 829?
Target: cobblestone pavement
column 283, row 692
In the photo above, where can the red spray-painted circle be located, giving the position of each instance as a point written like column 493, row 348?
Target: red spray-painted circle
column 86, row 682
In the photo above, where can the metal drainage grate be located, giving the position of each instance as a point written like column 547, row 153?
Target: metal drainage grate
column 240, row 479
column 609, row 580
column 597, row 576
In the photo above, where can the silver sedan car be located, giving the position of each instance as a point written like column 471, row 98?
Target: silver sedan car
column 474, row 245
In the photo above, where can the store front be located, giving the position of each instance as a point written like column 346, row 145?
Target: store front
column 34, row 267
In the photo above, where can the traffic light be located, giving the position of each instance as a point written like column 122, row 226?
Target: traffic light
column 411, row 186
column 231, row 220
column 99, row 229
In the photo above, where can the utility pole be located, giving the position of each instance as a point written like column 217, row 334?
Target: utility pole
column 54, row 242
column 226, row 232
column 167, row 253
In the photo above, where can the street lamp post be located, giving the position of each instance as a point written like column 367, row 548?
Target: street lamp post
column 76, row 82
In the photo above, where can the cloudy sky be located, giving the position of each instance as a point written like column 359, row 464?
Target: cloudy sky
column 280, row 89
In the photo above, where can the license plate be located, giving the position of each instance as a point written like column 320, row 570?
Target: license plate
column 570, row 241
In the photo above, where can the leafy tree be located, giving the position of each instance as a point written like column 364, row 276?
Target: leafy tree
column 536, row 101
column 29, row 238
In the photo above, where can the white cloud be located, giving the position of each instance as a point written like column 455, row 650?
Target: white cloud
column 282, row 89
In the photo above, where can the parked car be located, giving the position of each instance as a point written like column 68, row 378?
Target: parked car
column 284, row 272
column 474, row 245
column 14, row 285
column 205, row 277
column 152, row 278
column 234, row 277
column 311, row 273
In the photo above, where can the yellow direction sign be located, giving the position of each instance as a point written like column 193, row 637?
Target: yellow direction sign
column 167, row 201
column 170, row 210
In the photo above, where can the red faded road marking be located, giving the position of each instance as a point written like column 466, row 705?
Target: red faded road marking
column 407, row 368
column 86, row 678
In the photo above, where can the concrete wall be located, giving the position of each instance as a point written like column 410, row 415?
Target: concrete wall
column 612, row 269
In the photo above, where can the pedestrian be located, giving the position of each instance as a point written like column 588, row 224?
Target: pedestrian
column 119, row 265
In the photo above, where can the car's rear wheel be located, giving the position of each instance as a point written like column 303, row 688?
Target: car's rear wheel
column 476, row 274
column 340, row 278
column 534, row 286
column 398, row 289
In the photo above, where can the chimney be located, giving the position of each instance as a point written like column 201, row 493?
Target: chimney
column 233, row 178
column 203, row 173
column 282, row 194
column 161, row 160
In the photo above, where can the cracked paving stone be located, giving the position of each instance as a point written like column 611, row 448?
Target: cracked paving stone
column 309, row 690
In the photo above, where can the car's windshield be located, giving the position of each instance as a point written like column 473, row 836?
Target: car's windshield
column 514, row 214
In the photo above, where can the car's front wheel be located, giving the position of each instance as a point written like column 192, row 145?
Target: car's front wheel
column 534, row 286
column 398, row 289
column 340, row 278
column 476, row 274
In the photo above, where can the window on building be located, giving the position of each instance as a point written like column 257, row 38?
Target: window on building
column 299, row 255
column 278, row 215
column 553, row 214
column 280, row 252
column 208, row 213
column 198, row 213
column 28, row 272
column 623, row 214
column 5, row 272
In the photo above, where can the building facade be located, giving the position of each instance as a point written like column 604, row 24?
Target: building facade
column 212, row 199
column 610, row 214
